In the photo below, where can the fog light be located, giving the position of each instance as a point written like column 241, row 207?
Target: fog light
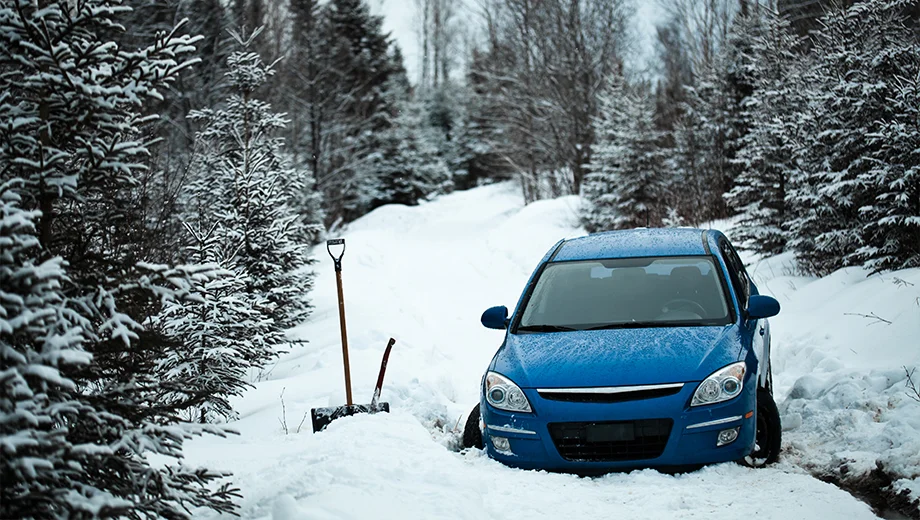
column 501, row 444
column 726, row 436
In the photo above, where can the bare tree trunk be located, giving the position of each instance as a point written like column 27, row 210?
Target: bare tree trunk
column 438, row 38
column 424, row 7
column 550, row 60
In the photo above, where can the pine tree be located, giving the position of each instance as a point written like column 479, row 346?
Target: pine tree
column 307, row 78
column 625, row 186
column 891, row 233
column 40, row 342
column 768, row 152
column 219, row 335
column 847, row 173
column 360, row 53
column 411, row 169
column 248, row 188
column 79, row 407
column 479, row 159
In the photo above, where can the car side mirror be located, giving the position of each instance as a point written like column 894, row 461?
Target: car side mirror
column 760, row 306
column 495, row 318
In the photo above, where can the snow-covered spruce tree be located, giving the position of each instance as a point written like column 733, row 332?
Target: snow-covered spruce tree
column 476, row 160
column 852, row 197
column 891, row 235
column 362, row 64
column 410, row 167
column 768, row 152
column 40, row 342
column 79, row 411
column 625, row 188
column 218, row 335
column 444, row 114
column 410, row 170
column 310, row 76
column 248, row 189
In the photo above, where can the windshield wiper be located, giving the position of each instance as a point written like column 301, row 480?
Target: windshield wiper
column 625, row 325
column 545, row 328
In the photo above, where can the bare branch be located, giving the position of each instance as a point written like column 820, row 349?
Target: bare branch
column 871, row 316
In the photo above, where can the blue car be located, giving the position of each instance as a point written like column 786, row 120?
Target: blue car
column 628, row 349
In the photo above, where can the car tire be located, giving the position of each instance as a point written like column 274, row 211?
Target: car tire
column 769, row 432
column 472, row 434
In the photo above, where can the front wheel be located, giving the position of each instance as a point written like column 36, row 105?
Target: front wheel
column 769, row 433
column 472, row 434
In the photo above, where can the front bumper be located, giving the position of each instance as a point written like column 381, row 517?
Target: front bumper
column 688, row 444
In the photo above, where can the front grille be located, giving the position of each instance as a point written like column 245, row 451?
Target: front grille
column 611, row 441
column 606, row 397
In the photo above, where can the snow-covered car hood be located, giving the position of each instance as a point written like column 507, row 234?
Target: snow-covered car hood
column 617, row 357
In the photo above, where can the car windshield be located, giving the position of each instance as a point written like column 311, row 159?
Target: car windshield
column 631, row 292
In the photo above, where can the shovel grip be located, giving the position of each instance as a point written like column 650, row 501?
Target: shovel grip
column 336, row 259
column 383, row 370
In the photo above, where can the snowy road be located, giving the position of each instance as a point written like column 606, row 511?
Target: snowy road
column 423, row 275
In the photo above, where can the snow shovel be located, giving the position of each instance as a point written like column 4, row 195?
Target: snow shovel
column 323, row 416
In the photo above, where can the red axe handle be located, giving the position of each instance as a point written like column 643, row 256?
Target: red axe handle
column 383, row 370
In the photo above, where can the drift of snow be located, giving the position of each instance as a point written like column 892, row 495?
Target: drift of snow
column 840, row 369
column 424, row 275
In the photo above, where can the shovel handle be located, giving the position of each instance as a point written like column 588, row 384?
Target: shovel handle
column 341, row 297
column 383, row 370
column 336, row 259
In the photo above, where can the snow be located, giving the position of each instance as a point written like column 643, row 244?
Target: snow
column 424, row 275
column 364, row 467
column 840, row 368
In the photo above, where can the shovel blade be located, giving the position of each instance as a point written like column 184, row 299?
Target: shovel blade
column 323, row 416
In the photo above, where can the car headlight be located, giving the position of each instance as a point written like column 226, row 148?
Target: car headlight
column 724, row 384
column 503, row 394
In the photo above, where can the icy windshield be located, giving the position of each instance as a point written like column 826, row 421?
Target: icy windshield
column 632, row 292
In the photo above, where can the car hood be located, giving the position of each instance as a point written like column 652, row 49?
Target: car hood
column 617, row 357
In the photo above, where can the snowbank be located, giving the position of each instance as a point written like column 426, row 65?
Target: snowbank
column 424, row 275
column 426, row 481
column 840, row 346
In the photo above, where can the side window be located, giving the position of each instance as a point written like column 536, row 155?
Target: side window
column 740, row 280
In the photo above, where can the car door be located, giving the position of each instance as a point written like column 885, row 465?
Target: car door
column 753, row 332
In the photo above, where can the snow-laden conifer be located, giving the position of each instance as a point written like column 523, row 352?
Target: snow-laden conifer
column 768, row 153
column 892, row 230
column 246, row 187
column 852, row 197
column 218, row 335
column 625, row 188
column 80, row 414
column 410, row 168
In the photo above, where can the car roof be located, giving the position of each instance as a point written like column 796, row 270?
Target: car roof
column 635, row 243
